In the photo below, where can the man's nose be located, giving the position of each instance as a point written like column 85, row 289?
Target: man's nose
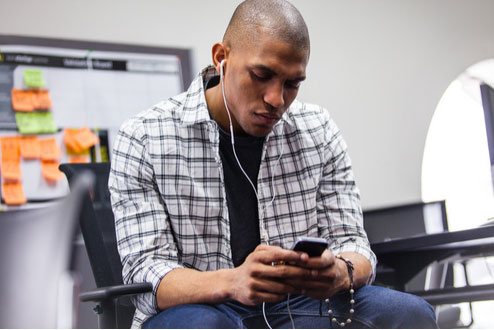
column 274, row 96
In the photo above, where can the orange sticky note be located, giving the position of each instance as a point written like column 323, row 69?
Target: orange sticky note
column 30, row 147
column 22, row 100
column 11, row 169
column 70, row 141
column 85, row 138
column 79, row 140
column 42, row 99
column 50, row 149
column 13, row 193
column 10, row 147
column 50, row 171
column 79, row 159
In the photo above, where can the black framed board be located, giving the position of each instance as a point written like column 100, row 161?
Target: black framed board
column 91, row 84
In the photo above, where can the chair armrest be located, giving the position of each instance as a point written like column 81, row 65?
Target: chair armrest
column 457, row 295
column 111, row 292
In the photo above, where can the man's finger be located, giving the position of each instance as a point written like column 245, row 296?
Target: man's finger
column 276, row 255
column 282, row 271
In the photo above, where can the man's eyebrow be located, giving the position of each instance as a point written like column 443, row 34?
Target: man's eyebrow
column 266, row 69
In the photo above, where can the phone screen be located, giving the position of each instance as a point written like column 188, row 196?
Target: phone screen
column 314, row 247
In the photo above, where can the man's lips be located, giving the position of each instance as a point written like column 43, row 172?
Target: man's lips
column 267, row 118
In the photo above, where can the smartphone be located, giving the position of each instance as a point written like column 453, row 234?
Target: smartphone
column 313, row 246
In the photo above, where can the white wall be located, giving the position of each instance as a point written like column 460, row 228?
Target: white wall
column 380, row 66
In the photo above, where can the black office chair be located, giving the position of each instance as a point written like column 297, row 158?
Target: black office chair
column 384, row 224
column 114, row 307
column 37, row 288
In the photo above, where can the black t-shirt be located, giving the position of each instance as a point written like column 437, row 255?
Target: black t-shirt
column 240, row 196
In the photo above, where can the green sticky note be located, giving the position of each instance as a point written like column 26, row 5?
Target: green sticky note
column 34, row 78
column 35, row 122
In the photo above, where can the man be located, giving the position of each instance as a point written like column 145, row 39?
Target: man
column 211, row 188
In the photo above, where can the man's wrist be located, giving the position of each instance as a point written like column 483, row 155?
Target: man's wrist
column 347, row 269
column 226, row 290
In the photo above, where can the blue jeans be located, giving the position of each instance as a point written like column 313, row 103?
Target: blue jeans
column 375, row 307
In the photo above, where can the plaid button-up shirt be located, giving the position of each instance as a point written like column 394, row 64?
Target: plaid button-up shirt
column 168, row 192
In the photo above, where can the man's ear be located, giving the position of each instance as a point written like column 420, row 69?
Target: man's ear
column 220, row 53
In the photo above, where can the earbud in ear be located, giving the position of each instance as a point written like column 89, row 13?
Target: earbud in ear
column 221, row 66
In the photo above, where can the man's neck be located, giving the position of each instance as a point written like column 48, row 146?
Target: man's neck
column 216, row 106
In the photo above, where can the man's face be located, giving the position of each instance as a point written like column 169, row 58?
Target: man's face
column 261, row 81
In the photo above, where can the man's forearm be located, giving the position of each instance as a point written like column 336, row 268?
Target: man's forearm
column 188, row 286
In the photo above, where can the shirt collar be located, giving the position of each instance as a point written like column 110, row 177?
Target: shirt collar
column 195, row 109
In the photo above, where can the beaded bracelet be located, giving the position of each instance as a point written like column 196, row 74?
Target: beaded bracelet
column 349, row 266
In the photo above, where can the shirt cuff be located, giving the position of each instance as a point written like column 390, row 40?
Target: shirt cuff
column 146, row 302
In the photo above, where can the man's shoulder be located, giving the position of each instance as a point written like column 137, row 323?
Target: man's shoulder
column 169, row 110
column 307, row 115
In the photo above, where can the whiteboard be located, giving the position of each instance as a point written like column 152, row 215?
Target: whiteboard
column 98, row 85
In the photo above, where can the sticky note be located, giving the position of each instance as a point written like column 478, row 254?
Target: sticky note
column 10, row 147
column 42, row 99
column 22, row 100
column 30, row 147
column 79, row 140
column 34, row 78
column 13, row 193
column 86, row 138
column 70, row 140
column 50, row 149
column 35, row 122
column 79, row 159
column 11, row 169
column 50, row 171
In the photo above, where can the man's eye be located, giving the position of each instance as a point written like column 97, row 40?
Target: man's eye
column 260, row 78
column 293, row 85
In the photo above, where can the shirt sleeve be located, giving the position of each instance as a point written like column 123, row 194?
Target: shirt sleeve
column 144, row 237
column 338, row 200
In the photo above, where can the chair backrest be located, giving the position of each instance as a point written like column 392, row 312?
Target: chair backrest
column 36, row 288
column 97, row 225
column 407, row 220
column 98, row 230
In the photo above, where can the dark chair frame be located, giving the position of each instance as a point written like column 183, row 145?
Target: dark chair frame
column 112, row 297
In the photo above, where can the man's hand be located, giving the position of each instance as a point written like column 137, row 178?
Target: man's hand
column 268, row 274
column 329, row 275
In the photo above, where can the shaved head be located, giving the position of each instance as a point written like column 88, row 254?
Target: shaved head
column 277, row 18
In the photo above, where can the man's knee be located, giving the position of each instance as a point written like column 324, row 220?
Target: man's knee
column 193, row 316
column 417, row 313
column 394, row 309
